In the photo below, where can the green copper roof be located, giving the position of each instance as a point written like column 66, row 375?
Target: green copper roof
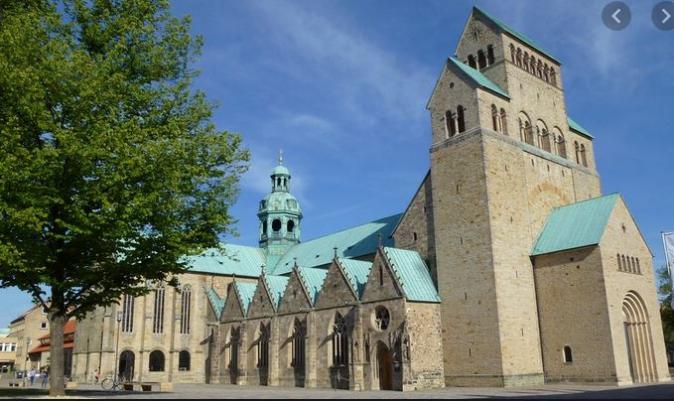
column 412, row 274
column 217, row 303
column 514, row 33
column 479, row 77
column 244, row 261
column 277, row 286
column 357, row 272
column 578, row 128
column 313, row 281
column 280, row 170
column 245, row 292
column 350, row 243
column 576, row 225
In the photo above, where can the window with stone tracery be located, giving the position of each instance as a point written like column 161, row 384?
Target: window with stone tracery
column 340, row 342
column 382, row 318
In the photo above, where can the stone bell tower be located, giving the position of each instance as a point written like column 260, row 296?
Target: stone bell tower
column 279, row 214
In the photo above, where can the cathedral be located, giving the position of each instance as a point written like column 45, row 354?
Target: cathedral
column 508, row 267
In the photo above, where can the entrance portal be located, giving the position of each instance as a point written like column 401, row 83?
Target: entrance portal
column 384, row 366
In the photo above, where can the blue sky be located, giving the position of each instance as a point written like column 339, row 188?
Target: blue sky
column 341, row 87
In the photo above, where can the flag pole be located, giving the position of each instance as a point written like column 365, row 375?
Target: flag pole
column 669, row 266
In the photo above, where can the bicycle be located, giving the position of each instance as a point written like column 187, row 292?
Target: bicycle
column 111, row 383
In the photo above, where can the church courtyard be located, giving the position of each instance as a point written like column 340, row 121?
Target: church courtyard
column 205, row 391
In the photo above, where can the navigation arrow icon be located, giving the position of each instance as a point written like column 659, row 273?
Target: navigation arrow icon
column 665, row 8
column 615, row 15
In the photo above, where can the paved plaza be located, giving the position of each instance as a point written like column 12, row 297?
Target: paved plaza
column 203, row 391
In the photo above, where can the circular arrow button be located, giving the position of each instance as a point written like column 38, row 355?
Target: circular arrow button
column 663, row 15
column 616, row 15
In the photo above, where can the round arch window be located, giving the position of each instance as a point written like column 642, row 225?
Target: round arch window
column 276, row 225
column 382, row 318
column 291, row 226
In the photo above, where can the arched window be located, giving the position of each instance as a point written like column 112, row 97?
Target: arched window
column 184, row 361
column 299, row 341
column 504, row 122
column 158, row 315
column 577, row 148
column 629, row 265
column 560, row 141
column 512, row 53
column 263, row 346
column 519, row 57
column 460, row 121
column 543, row 135
column 620, row 265
column 583, row 155
column 494, row 117
column 490, row 55
column 450, row 125
column 539, row 69
column 290, row 226
column 340, row 342
column 156, row 361
column 471, row 61
column 185, row 309
column 553, row 77
column 624, row 262
column 638, row 266
column 526, row 130
column 568, row 354
column 276, row 225
column 546, row 73
column 481, row 59
column 532, row 65
column 381, row 275
column 264, row 227
column 526, row 61
column 127, row 313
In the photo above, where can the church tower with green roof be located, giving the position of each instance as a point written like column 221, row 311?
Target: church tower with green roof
column 279, row 215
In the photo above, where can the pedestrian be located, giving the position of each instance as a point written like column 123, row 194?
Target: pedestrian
column 45, row 378
column 31, row 376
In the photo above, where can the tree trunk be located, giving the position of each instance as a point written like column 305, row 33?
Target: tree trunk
column 56, row 364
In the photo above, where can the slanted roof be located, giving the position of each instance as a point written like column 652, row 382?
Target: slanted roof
column 350, row 243
column 277, row 286
column 479, row 78
column 521, row 37
column 217, row 303
column 357, row 272
column 576, row 225
column 313, row 280
column 242, row 261
column 578, row 128
column 412, row 273
column 245, row 292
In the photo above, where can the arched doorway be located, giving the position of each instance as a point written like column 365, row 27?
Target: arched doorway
column 126, row 365
column 638, row 339
column 384, row 367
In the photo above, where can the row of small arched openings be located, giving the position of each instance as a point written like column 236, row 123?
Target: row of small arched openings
column 628, row 264
column 552, row 142
column 483, row 59
column 531, row 64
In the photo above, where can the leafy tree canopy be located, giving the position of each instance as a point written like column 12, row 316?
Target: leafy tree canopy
column 111, row 169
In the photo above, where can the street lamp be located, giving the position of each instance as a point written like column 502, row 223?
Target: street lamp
column 114, row 367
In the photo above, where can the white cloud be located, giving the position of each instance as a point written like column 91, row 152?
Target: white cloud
column 358, row 69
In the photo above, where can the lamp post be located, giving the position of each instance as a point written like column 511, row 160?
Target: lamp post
column 114, row 367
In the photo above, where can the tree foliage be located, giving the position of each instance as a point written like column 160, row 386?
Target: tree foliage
column 111, row 169
column 666, row 311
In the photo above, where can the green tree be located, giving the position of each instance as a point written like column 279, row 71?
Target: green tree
column 110, row 167
column 666, row 311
